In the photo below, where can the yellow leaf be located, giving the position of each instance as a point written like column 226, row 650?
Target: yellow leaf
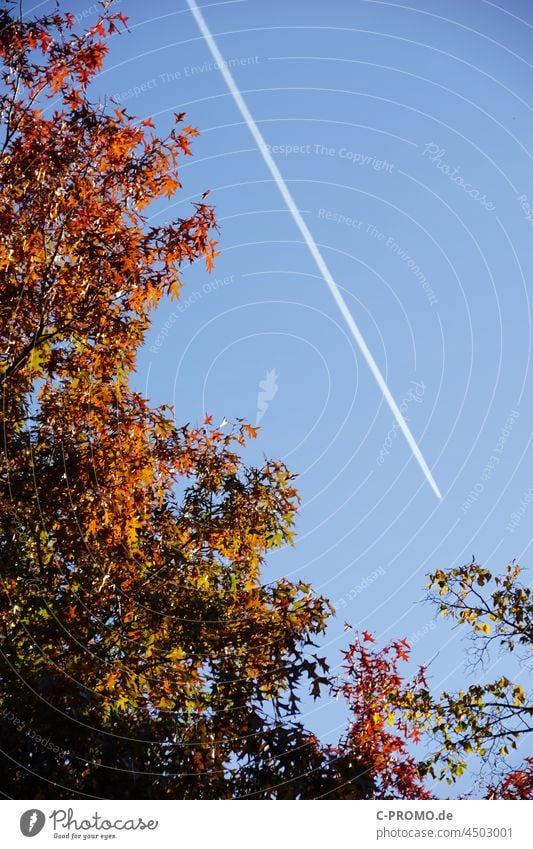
column 35, row 360
column 176, row 655
column 518, row 693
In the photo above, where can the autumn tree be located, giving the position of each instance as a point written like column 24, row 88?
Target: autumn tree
column 142, row 653
column 378, row 735
column 395, row 719
column 516, row 785
column 489, row 717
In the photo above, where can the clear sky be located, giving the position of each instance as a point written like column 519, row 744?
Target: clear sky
column 403, row 132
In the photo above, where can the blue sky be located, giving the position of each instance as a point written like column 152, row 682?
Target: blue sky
column 403, row 134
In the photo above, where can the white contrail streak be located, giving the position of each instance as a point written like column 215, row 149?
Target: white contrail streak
column 310, row 242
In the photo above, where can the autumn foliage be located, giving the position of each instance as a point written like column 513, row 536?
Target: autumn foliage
column 139, row 639
column 137, row 635
column 377, row 735
column 487, row 718
column 518, row 784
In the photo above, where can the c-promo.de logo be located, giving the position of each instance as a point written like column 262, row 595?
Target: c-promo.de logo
column 32, row 822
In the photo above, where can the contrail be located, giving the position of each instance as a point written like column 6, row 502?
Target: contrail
column 310, row 242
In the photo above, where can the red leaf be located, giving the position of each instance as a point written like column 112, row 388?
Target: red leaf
column 251, row 431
